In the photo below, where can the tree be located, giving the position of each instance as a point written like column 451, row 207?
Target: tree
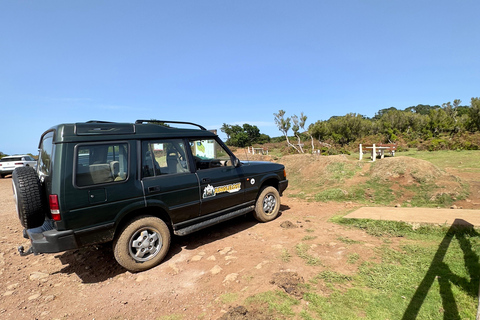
column 296, row 128
column 284, row 125
column 440, row 121
column 242, row 136
column 474, row 115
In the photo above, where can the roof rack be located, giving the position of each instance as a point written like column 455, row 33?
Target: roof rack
column 167, row 121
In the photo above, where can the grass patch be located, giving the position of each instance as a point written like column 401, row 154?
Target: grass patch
column 465, row 160
column 274, row 303
column 307, row 238
column 302, row 251
column 332, row 277
column 353, row 258
column 348, row 240
column 228, row 298
column 338, row 172
column 171, row 317
column 286, row 256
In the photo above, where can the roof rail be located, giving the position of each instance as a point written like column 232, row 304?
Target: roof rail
column 160, row 122
column 98, row 121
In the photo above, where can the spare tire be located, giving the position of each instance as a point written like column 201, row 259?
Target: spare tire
column 29, row 198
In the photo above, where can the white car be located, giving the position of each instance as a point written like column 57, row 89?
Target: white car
column 8, row 164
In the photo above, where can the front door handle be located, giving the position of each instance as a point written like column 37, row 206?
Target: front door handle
column 153, row 189
column 206, row 180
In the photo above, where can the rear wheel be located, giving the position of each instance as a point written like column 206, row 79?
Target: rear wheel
column 142, row 244
column 267, row 205
column 29, row 199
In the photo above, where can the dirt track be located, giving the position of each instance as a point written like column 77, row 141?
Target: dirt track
column 204, row 274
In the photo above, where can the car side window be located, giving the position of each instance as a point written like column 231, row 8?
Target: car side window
column 160, row 157
column 101, row 163
column 45, row 156
column 209, row 154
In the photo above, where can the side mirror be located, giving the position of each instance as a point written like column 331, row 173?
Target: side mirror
column 236, row 163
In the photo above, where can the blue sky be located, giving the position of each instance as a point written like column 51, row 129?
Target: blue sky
column 226, row 61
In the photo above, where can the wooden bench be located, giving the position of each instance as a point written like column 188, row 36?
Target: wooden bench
column 378, row 150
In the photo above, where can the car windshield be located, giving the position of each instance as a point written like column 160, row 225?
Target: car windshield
column 7, row 159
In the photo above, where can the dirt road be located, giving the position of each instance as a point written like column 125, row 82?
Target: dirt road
column 204, row 274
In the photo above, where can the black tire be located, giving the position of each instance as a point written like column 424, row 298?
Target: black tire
column 267, row 206
column 142, row 244
column 29, row 198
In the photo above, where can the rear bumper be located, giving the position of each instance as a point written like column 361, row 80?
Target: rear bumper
column 47, row 239
column 52, row 241
column 6, row 171
column 282, row 185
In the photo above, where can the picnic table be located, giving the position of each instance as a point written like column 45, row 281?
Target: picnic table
column 378, row 150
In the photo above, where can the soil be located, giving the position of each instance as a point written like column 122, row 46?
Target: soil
column 206, row 275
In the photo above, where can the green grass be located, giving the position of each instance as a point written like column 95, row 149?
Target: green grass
column 353, row 258
column 331, row 277
column 348, row 240
column 228, row 298
column 273, row 303
column 286, row 256
column 302, row 251
column 465, row 160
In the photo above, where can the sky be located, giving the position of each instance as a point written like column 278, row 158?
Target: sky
column 228, row 61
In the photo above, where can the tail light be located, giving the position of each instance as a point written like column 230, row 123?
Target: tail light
column 284, row 173
column 54, row 207
column 19, row 163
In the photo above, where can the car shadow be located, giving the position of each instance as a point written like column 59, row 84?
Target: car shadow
column 97, row 264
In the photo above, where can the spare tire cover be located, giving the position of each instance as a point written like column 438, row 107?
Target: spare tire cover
column 29, row 197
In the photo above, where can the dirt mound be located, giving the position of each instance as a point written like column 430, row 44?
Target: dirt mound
column 290, row 282
column 309, row 166
column 414, row 170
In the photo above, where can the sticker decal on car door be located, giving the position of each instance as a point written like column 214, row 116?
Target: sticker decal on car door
column 211, row 191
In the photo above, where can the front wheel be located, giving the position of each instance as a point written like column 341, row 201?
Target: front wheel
column 142, row 244
column 267, row 205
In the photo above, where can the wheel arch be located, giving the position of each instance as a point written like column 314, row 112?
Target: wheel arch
column 269, row 181
column 154, row 211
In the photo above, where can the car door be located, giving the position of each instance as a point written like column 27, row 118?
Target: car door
column 167, row 179
column 221, row 183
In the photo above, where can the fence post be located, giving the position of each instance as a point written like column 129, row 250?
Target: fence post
column 361, row 152
column 374, row 153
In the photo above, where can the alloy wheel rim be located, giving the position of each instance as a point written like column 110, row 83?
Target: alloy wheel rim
column 145, row 244
column 269, row 204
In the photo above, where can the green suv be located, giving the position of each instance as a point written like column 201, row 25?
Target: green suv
column 135, row 184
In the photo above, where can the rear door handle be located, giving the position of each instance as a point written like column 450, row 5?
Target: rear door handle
column 206, row 180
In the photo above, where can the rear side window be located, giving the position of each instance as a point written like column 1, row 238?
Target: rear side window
column 45, row 156
column 101, row 163
column 11, row 159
